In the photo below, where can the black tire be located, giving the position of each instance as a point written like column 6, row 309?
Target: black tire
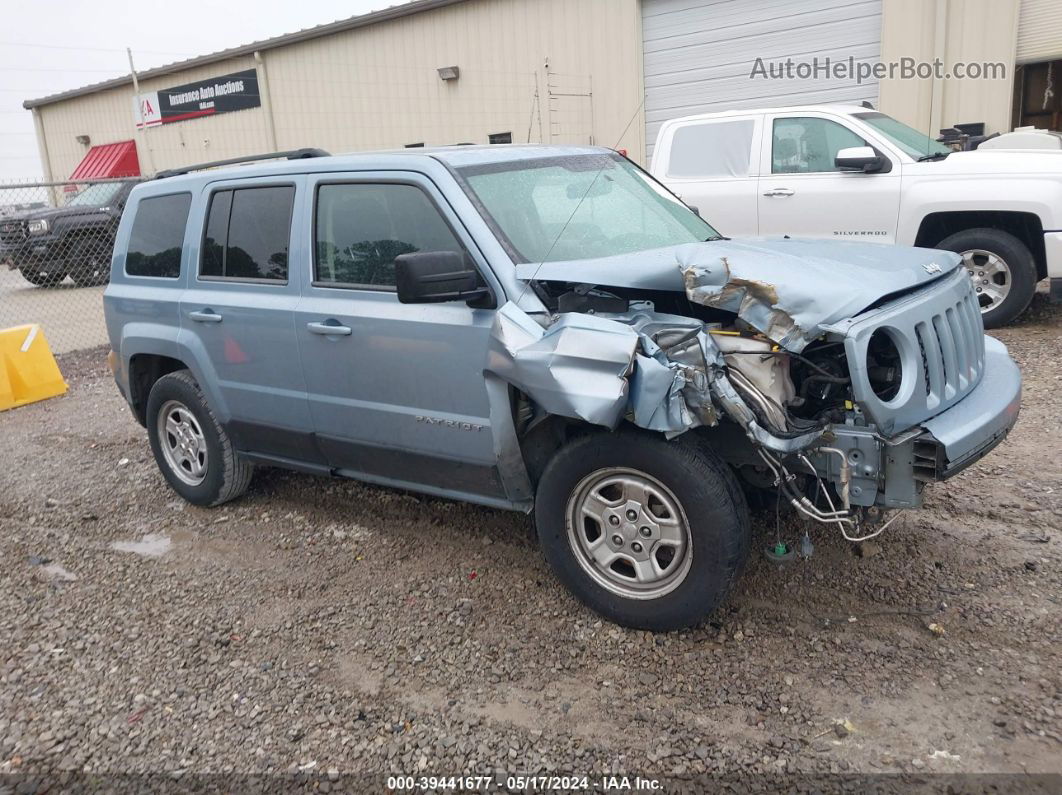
column 1018, row 260
column 90, row 262
column 227, row 474
column 707, row 493
column 42, row 278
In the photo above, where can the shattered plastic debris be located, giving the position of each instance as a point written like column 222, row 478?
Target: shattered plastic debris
column 843, row 728
column 941, row 754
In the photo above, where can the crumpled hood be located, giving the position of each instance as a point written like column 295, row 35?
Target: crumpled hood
column 786, row 288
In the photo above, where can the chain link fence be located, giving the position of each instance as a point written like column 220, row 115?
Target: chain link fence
column 56, row 241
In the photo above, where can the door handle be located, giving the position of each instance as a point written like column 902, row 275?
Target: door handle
column 205, row 316
column 329, row 328
column 779, row 192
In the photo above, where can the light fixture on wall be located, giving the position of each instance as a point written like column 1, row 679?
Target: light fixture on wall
column 84, row 140
column 448, row 72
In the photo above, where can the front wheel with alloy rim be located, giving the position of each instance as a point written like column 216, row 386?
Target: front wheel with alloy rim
column 650, row 534
column 192, row 450
column 1001, row 268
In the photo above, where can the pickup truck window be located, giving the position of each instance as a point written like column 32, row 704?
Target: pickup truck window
column 579, row 207
column 714, row 149
column 247, row 234
column 806, row 145
column 911, row 141
column 361, row 228
column 157, row 237
column 99, row 195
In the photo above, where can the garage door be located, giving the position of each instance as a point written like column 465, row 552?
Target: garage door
column 1039, row 31
column 698, row 54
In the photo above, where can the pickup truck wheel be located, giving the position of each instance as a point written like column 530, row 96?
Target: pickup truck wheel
column 90, row 263
column 42, row 278
column 648, row 533
column 1001, row 268
column 191, row 448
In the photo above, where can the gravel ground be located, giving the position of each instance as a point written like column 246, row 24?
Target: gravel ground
column 336, row 632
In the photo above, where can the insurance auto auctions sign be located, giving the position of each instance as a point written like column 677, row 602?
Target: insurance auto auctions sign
column 238, row 91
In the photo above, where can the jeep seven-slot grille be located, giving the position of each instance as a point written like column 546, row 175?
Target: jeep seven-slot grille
column 952, row 347
column 941, row 342
column 12, row 232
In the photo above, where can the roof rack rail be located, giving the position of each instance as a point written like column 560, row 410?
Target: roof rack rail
column 293, row 154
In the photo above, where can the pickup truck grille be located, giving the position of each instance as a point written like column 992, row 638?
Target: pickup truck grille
column 12, row 233
column 940, row 337
column 952, row 346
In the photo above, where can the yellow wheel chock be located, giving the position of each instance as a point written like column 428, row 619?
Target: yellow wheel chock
column 28, row 371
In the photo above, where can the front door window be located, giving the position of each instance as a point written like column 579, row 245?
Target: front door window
column 807, row 145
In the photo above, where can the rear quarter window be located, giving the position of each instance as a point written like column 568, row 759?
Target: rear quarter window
column 157, row 238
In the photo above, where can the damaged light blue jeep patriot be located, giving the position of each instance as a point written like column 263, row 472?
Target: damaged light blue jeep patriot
column 549, row 329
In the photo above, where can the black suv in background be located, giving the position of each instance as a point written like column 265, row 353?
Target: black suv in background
column 48, row 244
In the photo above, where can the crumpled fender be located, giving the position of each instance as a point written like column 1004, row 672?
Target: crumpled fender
column 662, row 372
column 601, row 369
column 576, row 368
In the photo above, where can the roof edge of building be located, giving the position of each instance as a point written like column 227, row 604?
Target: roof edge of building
column 318, row 31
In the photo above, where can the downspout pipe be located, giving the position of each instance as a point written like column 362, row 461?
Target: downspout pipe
column 43, row 153
column 267, row 100
column 940, row 47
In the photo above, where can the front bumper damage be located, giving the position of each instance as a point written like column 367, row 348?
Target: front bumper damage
column 670, row 373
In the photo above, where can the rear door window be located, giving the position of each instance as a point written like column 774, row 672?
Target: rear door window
column 157, row 237
column 247, row 234
column 714, row 149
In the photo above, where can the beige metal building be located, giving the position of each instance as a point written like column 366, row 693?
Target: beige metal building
column 565, row 71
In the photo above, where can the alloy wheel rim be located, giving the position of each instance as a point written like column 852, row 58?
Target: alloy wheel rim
column 183, row 444
column 629, row 533
column 990, row 275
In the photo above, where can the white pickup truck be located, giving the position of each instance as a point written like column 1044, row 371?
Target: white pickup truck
column 851, row 173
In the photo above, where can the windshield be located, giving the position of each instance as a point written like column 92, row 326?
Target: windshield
column 579, row 207
column 98, row 195
column 911, row 141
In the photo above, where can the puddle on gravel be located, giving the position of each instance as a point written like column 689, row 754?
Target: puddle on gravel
column 152, row 545
column 55, row 572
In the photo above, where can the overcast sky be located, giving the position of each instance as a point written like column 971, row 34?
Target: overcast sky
column 53, row 45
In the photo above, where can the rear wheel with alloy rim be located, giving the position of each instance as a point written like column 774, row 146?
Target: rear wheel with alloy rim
column 651, row 534
column 1001, row 268
column 183, row 445
column 192, row 450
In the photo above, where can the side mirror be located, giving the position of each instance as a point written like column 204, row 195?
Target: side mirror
column 427, row 277
column 859, row 158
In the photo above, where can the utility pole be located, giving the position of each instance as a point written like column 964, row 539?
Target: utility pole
column 141, row 127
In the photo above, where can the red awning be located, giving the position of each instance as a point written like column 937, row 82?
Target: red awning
column 109, row 160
